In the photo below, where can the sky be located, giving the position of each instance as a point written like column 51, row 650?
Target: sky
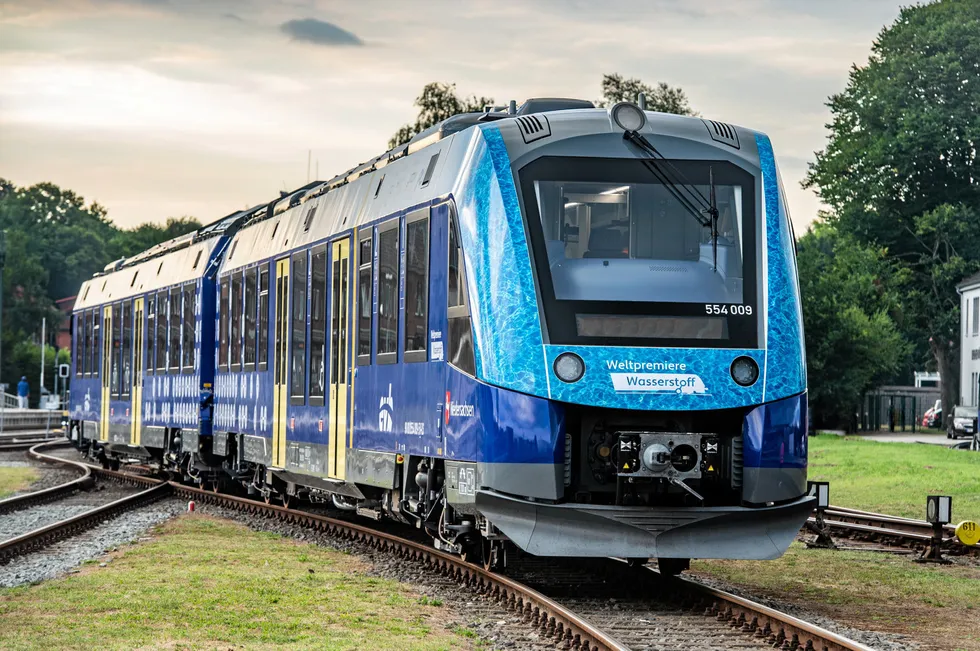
column 166, row 108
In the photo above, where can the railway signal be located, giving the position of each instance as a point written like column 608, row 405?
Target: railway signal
column 820, row 490
column 939, row 510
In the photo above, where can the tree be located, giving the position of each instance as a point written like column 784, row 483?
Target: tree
column 662, row 98
column 437, row 102
column 127, row 243
column 900, row 167
column 852, row 341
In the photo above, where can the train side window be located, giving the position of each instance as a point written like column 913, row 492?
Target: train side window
column 460, row 332
column 365, row 300
column 126, row 354
column 89, row 344
column 262, row 336
column 114, row 375
column 249, row 323
column 150, row 337
column 173, row 352
column 388, row 259
column 416, row 285
column 162, row 303
column 223, row 325
column 188, row 326
column 318, row 324
column 77, row 328
column 95, row 357
column 235, row 321
column 297, row 343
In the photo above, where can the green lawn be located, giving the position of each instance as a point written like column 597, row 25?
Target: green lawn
column 935, row 604
column 895, row 478
column 15, row 479
column 208, row 583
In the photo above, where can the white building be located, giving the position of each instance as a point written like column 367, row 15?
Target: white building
column 969, row 291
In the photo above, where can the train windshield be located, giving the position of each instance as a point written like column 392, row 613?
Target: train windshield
column 620, row 256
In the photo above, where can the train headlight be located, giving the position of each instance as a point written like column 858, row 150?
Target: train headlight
column 628, row 116
column 569, row 367
column 745, row 371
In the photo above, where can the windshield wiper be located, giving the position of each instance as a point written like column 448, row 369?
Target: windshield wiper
column 703, row 209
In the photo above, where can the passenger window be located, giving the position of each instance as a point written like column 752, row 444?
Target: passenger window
column 173, row 354
column 187, row 354
column 77, row 328
column 150, row 336
column 114, row 361
column 89, row 356
column 297, row 381
column 162, row 302
column 318, row 324
column 388, row 293
column 223, row 297
column 262, row 336
column 416, row 285
column 235, row 321
column 365, row 301
column 127, row 349
column 95, row 358
column 460, row 332
column 250, row 319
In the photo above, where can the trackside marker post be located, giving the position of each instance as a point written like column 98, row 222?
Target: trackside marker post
column 190, row 506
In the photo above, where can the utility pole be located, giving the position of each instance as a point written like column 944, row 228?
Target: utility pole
column 44, row 324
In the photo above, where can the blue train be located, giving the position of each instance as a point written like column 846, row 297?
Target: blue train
column 572, row 330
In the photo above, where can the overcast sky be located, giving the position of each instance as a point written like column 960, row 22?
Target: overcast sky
column 159, row 108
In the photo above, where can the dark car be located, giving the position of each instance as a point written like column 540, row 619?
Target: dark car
column 962, row 422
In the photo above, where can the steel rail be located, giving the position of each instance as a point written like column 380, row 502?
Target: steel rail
column 904, row 530
column 39, row 538
column 781, row 630
column 84, row 482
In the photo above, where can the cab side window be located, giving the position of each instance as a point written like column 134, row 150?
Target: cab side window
column 460, row 332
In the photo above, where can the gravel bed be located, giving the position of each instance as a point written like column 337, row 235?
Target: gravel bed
column 873, row 639
column 20, row 522
column 66, row 555
column 497, row 627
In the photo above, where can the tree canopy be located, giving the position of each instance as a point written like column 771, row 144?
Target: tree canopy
column 439, row 101
column 900, row 167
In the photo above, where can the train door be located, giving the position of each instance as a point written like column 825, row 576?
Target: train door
column 280, row 364
column 106, row 368
column 339, row 347
column 137, row 391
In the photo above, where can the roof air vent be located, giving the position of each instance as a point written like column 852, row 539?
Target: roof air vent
column 533, row 127
column 723, row 133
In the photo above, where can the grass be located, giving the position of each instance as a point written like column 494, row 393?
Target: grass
column 15, row 479
column 936, row 605
column 895, row 478
column 207, row 583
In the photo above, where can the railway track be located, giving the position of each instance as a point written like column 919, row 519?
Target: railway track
column 25, row 440
column 537, row 597
column 892, row 530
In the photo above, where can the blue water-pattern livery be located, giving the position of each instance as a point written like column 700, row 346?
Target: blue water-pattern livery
column 786, row 368
column 506, row 328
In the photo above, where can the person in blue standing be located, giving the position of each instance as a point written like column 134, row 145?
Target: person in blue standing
column 23, row 390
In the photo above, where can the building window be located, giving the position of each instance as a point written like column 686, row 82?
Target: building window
column 297, row 381
column 460, row 333
column 163, row 301
column 416, row 285
column 250, row 319
column 223, row 296
column 188, row 326
column 262, row 338
column 318, row 324
column 387, row 335
column 976, row 316
column 365, row 301
column 173, row 353
column 235, row 320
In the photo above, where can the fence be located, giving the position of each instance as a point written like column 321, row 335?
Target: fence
column 894, row 412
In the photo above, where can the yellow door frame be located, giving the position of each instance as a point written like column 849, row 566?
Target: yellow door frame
column 107, row 326
column 340, row 270
column 280, row 365
column 136, row 394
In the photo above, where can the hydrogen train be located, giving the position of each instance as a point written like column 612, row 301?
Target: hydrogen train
column 572, row 330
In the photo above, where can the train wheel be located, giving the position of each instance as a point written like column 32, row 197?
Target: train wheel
column 215, row 485
column 494, row 555
column 286, row 499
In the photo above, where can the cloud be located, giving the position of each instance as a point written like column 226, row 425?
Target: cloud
column 311, row 30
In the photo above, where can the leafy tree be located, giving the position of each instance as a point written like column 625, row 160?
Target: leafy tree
column 23, row 359
column 437, row 102
column 127, row 243
column 852, row 341
column 900, row 167
column 661, row 97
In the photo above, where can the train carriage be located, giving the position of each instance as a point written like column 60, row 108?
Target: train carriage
column 568, row 329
